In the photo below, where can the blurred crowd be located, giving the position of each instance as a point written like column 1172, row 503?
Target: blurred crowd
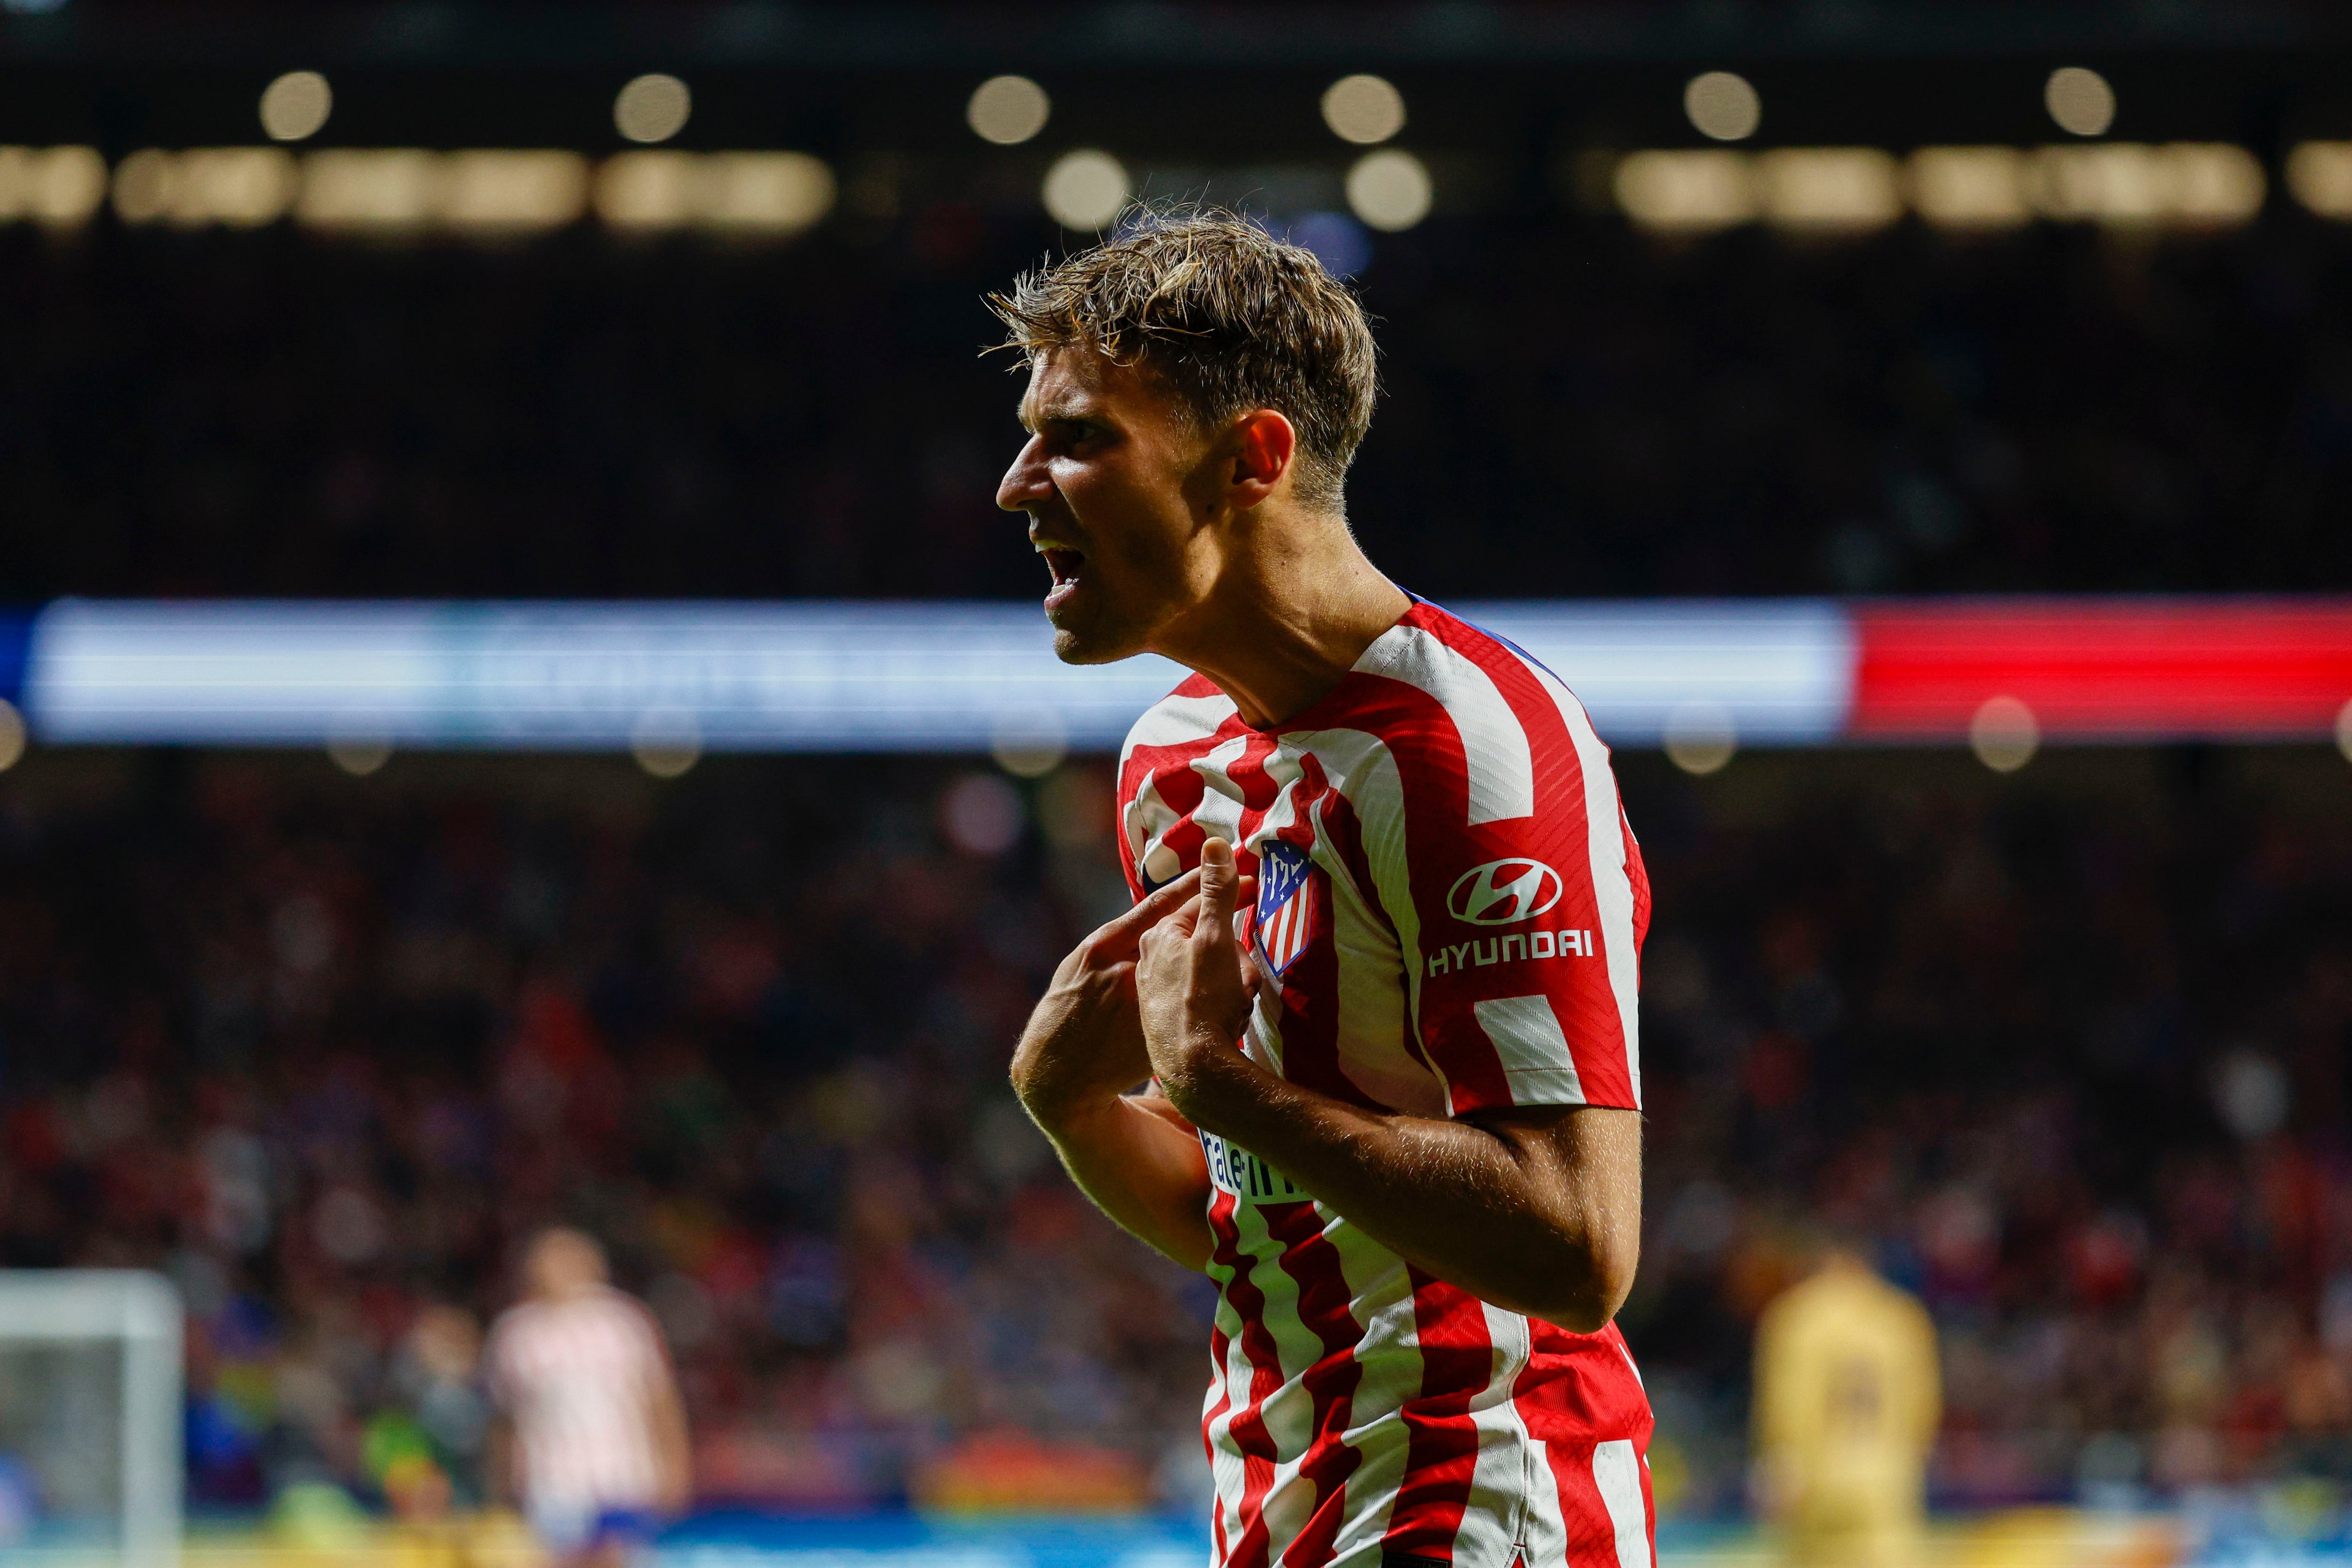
column 329, row 1055
column 2065, row 1056
column 1571, row 408
column 2063, row 1052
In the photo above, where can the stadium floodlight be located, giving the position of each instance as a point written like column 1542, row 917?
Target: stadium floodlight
column 1030, row 743
column 1700, row 737
column 1968, row 187
column 501, row 191
column 1390, row 190
column 2080, row 100
column 2117, row 183
column 1007, row 110
column 776, row 193
column 90, row 1405
column 384, row 190
column 241, row 187
column 652, row 108
column 358, row 753
column 295, row 106
column 146, row 185
column 1686, row 193
column 2213, row 183
column 1086, row 189
column 647, row 190
column 2320, row 175
column 1723, row 106
column 765, row 193
column 2189, row 185
column 1830, row 188
column 58, row 186
column 1364, row 109
column 665, row 741
column 2004, row 734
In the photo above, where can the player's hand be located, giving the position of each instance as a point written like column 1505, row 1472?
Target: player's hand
column 1084, row 1044
column 1195, row 986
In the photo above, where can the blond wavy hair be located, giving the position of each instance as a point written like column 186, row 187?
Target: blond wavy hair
column 1229, row 317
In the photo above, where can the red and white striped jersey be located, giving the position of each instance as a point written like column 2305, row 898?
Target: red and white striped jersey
column 578, row 1379
column 1454, row 906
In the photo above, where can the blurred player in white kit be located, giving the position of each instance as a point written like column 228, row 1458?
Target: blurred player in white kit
column 591, row 1436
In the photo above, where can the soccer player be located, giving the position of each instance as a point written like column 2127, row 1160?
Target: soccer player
column 591, row 1434
column 1380, row 969
column 1847, row 1402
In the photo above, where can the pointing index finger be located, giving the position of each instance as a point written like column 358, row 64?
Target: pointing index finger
column 1220, row 881
column 1151, row 909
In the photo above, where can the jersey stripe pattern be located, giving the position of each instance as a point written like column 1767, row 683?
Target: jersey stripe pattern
column 578, row 1379
column 1451, row 906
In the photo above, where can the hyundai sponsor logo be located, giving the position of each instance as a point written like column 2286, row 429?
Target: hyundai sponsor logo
column 1503, row 892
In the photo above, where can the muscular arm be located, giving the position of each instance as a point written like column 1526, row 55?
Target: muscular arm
column 1133, row 1154
column 1535, row 1209
column 1538, row 1210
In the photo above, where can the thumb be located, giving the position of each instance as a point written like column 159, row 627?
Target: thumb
column 1220, row 882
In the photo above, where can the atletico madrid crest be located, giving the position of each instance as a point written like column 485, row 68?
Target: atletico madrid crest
column 1285, row 902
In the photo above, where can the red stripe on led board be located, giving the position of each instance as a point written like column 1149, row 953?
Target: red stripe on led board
column 2104, row 669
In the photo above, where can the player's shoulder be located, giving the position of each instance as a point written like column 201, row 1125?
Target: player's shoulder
column 616, row 1305
column 1191, row 715
column 1488, row 686
column 512, row 1327
column 513, row 1318
column 1474, row 719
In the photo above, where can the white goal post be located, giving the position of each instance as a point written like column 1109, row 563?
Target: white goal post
column 90, row 1413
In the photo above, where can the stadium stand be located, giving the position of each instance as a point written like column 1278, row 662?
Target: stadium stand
column 1572, row 408
column 326, row 1049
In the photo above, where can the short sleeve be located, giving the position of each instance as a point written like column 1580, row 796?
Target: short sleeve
column 1528, row 900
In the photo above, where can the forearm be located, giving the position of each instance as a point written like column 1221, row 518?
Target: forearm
column 1141, row 1165
column 1131, row 1154
column 1509, row 1217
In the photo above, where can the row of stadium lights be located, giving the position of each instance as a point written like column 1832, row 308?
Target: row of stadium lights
column 1855, row 189
column 1823, row 190
column 1833, row 189
column 402, row 190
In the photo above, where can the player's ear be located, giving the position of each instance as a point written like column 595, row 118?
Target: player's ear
column 1267, row 444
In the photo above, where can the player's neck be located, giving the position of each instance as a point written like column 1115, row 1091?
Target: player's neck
column 1292, row 609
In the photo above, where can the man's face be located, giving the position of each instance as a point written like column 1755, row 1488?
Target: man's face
column 562, row 1264
column 1118, row 486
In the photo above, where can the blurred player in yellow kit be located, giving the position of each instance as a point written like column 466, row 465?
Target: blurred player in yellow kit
column 1847, row 1402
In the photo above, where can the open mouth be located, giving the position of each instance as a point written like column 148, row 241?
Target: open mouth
column 1065, row 564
